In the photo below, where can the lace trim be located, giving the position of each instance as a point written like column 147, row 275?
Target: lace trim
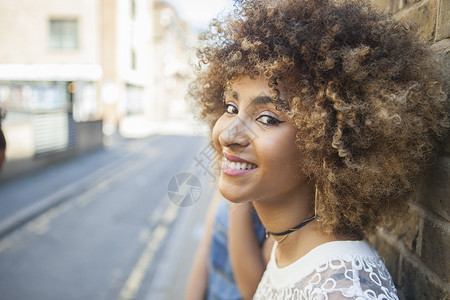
column 356, row 278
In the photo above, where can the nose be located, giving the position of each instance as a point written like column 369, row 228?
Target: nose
column 237, row 133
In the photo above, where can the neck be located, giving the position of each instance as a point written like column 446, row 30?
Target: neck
column 287, row 211
column 280, row 215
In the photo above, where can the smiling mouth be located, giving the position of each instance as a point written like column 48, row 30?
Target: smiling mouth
column 239, row 165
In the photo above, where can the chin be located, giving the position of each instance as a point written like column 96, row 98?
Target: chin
column 232, row 193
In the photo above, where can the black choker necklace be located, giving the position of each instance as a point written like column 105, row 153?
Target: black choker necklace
column 291, row 229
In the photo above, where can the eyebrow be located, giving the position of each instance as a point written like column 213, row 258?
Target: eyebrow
column 261, row 100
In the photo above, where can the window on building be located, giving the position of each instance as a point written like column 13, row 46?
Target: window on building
column 63, row 34
column 134, row 100
column 133, row 9
column 133, row 59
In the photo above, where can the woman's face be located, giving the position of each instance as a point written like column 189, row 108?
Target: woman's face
column 260, row 159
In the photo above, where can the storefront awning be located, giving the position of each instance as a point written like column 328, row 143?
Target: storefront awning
column 50, row 72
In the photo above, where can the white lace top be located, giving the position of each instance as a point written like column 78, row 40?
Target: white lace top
column 335, row 270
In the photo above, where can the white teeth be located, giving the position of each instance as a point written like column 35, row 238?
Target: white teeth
column 239, row 165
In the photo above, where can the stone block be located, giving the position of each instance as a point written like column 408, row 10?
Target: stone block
column 446, row 146
column 440, row 200
column 390, row 6
column 406, row 229
column 443, row 21
column 422, row 13
column 403, row 3
column 435, row 192
column 415, row 285
column 442, row 52
column 389, row 254
column 436, row 250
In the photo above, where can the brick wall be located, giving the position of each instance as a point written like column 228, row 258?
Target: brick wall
column 417, row 251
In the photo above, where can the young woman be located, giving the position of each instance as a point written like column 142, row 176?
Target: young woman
column 326, row 113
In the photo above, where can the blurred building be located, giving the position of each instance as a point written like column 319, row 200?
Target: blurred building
column 49, row 67
column 126, row 60
column 174, row 54
column 69, row 69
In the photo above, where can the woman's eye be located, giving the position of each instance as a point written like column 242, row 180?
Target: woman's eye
column 231, row 109
column 268, row 120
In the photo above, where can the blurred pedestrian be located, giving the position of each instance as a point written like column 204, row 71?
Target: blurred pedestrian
column 326, row 115
column 2, row 141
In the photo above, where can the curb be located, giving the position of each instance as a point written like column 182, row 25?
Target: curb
column 35, row 209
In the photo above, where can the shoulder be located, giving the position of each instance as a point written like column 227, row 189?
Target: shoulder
column 337, row 270
column 358, row 276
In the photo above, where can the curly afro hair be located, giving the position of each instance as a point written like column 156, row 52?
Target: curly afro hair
column 363, row 92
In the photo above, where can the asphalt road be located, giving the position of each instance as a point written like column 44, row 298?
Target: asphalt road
column 103, row 226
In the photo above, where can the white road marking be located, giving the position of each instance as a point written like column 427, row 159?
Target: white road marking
column 137, row 275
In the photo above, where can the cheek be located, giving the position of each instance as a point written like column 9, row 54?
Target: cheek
column 282, row 153
column 216, row 131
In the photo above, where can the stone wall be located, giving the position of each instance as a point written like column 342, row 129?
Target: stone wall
column 417, row 251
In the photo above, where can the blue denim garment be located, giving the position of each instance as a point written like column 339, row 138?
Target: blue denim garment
column 221, row 285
